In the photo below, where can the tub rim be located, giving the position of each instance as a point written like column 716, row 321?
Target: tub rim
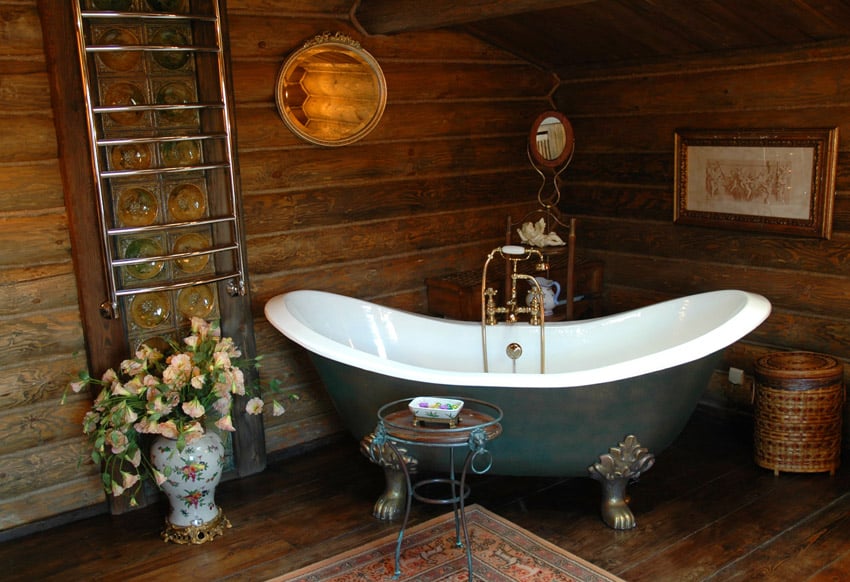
column 753, row 310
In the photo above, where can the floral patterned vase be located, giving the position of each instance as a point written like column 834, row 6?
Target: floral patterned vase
column 191, row 476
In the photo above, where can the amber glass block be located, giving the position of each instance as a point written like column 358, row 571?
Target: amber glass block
column 133, row 156
column 136, row 206
column 124, row 93
column 180, row 153
column 170, row 36
column 142, row 248
column 197, row 301
column 190, row 242
column 121, row 61
column 150, row 310
column 176, row 93
column 186, row 202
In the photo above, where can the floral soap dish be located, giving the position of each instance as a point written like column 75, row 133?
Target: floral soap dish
column 433, row 409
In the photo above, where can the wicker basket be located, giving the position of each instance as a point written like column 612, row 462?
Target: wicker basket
column 799, row 400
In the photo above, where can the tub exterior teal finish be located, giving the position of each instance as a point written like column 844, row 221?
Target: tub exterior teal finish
column 545, row 431
column 637, row 373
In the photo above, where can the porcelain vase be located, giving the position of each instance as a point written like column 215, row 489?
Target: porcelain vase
column 191, row 479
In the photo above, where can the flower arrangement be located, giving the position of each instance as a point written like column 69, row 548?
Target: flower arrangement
column 172, row 396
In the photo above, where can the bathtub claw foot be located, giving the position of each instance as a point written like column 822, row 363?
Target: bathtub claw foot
column 615, row 470
column 391, row 504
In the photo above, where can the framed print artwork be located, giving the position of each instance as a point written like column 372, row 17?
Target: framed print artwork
column 774, row 180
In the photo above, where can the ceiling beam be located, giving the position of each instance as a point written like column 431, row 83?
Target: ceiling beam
column 394, row 16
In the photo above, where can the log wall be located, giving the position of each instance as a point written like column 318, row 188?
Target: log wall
column 41, row 341
column 426, row 193
column 621, row 185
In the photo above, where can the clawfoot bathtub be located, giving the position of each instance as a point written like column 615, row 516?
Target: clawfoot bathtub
column 607, row 381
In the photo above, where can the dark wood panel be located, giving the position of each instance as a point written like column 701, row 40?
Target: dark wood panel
column 340, row 244
column 311, row 402
column 37, row 333
column 798, row 256
column 452, row 80
column 293, row 169
column 446, row 80
column 285, row 361
column 283, row 212
column 20, row 30
column 289, row 8
column 625, row 168
column 794, row 331
column 617, row 201
column 632, row 169
column 602, row 131
column 753, row 520
column 42, row 287
column 31, row 187
column 284, row 436
column 396, row 274
column 32, row 506
column 273, row 35
column 396, row 257
column 260, row 126
column 29, row 470
column 783, row 330
column 787, row 85
column 38, row 379
column 45, row 422
column 40, row 143
column 811, row 293
column 31, row 239
column 25, row 93
column 798, row 553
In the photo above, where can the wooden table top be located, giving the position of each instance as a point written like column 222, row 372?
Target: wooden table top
column 399, row 425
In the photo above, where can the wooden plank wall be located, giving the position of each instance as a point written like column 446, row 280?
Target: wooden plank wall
column 621, row 184
column 41, row 341
column 425, row 193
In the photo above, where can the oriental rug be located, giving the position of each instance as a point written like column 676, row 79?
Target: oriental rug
column 501, row 552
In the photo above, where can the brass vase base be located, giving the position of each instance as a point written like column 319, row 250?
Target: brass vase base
column 196, row 534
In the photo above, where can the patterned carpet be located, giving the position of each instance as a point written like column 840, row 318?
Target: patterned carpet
column 501, row 552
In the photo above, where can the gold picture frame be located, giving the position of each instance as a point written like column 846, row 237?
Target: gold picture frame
column 768, row 180
column 331, row 92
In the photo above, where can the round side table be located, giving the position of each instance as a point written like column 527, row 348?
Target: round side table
column 477, row 424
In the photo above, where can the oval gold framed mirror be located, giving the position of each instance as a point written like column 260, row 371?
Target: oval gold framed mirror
column 331, row 92
column 551, row 141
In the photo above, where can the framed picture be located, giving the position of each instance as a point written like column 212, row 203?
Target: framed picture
column 774, row 180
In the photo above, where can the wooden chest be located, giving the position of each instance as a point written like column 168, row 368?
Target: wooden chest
column 458, row 295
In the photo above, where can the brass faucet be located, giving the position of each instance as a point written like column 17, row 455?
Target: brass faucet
column 512, row 308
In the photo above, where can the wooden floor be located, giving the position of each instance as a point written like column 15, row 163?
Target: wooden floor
column 705, row 512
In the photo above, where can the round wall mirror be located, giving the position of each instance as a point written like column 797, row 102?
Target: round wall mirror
column 551, row 141
column 331, row 92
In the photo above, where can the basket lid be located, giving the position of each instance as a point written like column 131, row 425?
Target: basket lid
column 802, row 365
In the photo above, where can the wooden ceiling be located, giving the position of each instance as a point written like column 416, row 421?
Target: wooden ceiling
column 562, row 35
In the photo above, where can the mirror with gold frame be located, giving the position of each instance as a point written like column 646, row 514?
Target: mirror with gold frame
column 551, row 141
column 331, row 91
